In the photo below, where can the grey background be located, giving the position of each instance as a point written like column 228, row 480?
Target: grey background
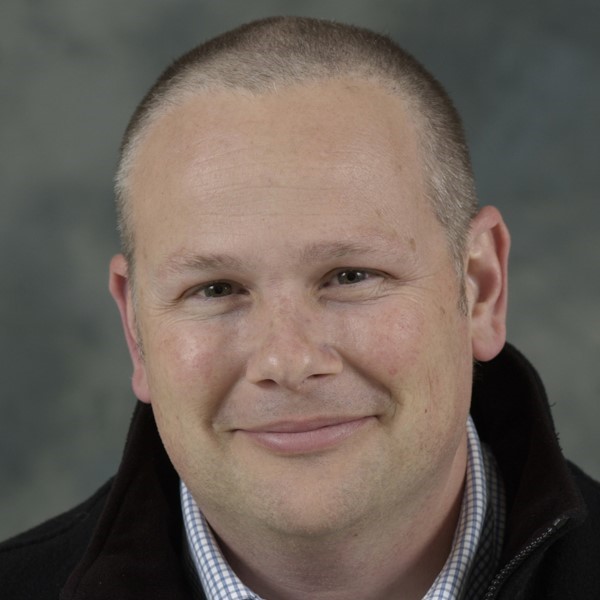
column 525, row 76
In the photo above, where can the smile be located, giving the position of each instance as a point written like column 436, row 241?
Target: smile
column 307, row 437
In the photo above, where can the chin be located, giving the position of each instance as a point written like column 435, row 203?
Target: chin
column 319, row 501
column 308, row 518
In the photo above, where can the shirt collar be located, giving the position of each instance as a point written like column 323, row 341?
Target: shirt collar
column 477, row 541
column 468, row 569
column 216, row 577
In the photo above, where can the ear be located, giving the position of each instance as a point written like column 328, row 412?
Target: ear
column 486, row 282
column 120, row 289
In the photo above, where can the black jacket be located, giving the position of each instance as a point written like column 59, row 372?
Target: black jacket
column 125, row 542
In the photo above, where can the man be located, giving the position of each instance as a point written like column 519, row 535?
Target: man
column 305, row 285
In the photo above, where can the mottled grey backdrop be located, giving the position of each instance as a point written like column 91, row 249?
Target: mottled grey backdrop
column 525, row 75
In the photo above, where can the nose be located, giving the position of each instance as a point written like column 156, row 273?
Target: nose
column 291, row 348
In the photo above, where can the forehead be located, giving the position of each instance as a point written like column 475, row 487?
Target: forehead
column 346, row 118
column 315, row 150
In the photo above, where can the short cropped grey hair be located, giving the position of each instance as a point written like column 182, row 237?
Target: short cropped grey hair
column 268, row 54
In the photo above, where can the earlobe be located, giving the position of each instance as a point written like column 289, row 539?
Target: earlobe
column 120, row 289
column 486, row 277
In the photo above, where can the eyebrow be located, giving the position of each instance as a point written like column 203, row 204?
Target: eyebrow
column 200, row 262
column 320, row 251
column 314, row 252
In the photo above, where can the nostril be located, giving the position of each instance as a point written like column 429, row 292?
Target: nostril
column 266, row 383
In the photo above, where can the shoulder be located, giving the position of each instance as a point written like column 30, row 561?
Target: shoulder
column 35, row 564
column 589, row 530
column 570, row 566
column 588, row 485
column 587, row 533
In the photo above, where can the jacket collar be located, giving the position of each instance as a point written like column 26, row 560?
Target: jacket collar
column 136, row 550
column 511, row 411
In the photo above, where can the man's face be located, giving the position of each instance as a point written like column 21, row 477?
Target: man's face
column 304, row 354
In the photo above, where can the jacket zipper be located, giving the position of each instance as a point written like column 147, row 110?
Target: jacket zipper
column 511, row 566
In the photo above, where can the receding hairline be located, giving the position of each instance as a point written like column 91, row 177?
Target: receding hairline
column 181, row 96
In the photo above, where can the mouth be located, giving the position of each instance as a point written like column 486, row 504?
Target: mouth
column 289, row 437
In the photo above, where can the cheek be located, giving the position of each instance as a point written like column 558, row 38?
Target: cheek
column 190, row 372
column 189, row 364
column 390, row 343
column 418, row 352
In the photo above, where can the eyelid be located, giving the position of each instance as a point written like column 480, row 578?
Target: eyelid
column 371, row 273
column 240, row 289
column 196, row 290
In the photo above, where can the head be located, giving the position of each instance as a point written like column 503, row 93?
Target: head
column 274, row 53
column 306, row 352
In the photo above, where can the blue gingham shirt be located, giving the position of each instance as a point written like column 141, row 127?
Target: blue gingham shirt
column 469, row 568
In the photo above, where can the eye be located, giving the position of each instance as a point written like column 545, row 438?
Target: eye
column 350, row 276
column 217, row 289
column 353, row 284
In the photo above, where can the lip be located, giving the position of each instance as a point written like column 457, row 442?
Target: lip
column 292, row 437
